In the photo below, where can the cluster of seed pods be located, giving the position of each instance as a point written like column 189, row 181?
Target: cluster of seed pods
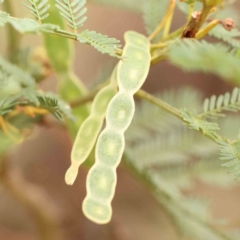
column 132, row 71
column 90, row 129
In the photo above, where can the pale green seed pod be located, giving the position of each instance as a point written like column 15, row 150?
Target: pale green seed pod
column 89, row 130
column 120, row 111
column 103, row 98
column 97, row 211
column 110, row 147
column 101, row 181
column 132, row 70
column 138, row 40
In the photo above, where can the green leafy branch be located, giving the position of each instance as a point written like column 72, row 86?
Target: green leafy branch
column 192, row 55
column 230, row 153
column 47, row 101
column 166, row 179
column 74, row 12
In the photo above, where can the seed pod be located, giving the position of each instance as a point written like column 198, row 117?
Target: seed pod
column 101, row 181
column 89, row 130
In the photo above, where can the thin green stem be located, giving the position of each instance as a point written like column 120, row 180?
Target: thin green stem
column 168, row 25
column 158, row 102
column 174, row 34
column 13, row 37
column 191, row 8
column 164, row 21
column 169, row 108
column 203, row 32
column 159, row 45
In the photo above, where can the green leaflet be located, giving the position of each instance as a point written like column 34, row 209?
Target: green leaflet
column 101, row 180
column 215, row 105
column 73, row 12
column 102, row 43
column 38, row 8
column 230, row 154
column 60, row 54
column 230, row 37
column 196, row 123
column 27, row 25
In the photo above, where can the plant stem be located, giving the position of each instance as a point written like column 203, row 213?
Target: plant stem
column 176, row 33
column 13, row 37
column 196, row 21
column 33, row 198
column 203, row 32
column 168, row 25
column 159, row 45
column 164, row 20
column 169, row 108
column 158, row 102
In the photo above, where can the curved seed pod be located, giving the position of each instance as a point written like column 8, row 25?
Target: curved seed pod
column 97, row 211
column 138, row 40
column 132, row 76
column 120, row 111
column 89, row 130
column 110, row 147
column 101, row 180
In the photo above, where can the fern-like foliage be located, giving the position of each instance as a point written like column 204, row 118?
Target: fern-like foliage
column 62, row 107
column 230, row 37
column 48, row 101
column 169, row 157
column 230, row 153
column 14, row 79
column 38, row 8
column 73, row 11
column 19, row 88
column 27, row 25
column 215, row 105
column 102, row 43
column 193, row 122
column 7, row 104
column 192, row 55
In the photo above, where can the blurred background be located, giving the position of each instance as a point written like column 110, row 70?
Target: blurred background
column 43, row 159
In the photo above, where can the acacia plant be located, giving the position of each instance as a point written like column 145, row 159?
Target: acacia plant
column 158, row 149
